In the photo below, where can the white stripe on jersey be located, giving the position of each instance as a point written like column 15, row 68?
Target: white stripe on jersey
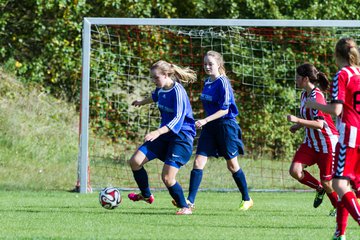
column 349, row 74
column 341, row 129
column 315, row 143
column 356, row 71
column 323, row 141
column 352, row 137
column 225, row 84
column 179, row 102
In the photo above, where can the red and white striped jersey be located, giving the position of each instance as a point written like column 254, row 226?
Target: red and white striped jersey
column 346, row 90
column 321, row 140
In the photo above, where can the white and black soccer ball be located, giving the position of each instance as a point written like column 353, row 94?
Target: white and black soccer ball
column 110, row 198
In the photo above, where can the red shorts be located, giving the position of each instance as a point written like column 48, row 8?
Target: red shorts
column 308, row 156
column 347, row 163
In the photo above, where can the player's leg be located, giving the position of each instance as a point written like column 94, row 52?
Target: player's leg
column 196, row 177
column 206, row 148
column 346, row 165
column 342, row 215
column 297, row 171
column 305, row 156
column 169, row 178
column 240, row 180
column 348, row 198
column 136, row 163
column 178, row 154
column 325, row 164
column 332, row 195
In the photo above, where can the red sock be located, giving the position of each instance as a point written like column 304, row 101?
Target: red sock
column 351, row 204
column 310, row 181
column 341, row 219
column 333, row 198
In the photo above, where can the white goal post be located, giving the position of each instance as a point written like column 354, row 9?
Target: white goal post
column 210, row 33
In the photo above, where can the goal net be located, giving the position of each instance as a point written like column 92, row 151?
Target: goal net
column 260, row 56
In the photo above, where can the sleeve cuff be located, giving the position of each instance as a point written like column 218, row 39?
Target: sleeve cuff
column 337, row 101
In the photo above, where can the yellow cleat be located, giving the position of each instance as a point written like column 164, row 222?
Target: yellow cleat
column 246, row 205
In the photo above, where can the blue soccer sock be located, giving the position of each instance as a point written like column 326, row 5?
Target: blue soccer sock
column 141, row 178
column 240, row 180
column 177, row 194
column 195, row 180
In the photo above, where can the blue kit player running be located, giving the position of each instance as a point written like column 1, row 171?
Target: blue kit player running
column 172, row 142
column 220, row 134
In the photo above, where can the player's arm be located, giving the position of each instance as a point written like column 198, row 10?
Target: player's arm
column 332, row 108
column 211, row 117
column 151, row 136
column 147, row 100
column 315, row 124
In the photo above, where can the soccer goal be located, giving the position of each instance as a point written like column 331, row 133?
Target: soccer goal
column 260, row 59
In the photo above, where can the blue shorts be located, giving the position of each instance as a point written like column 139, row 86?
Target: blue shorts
column 172, row 149
column 221, row 138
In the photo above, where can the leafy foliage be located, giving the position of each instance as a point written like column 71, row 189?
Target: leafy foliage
column 41, row 41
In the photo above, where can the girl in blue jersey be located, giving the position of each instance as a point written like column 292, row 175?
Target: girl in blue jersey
column 221, row 134
column 172, row 142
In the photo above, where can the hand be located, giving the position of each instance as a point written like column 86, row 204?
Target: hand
column 294, row 128
column 151, row 136
column 200, row 123
column 136, row 103
column 292, row 118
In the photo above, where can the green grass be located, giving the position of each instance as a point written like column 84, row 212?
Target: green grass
column 38, row 138
column 62, row 215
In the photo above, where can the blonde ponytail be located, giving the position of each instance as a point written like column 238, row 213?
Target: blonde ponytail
column 179, row 74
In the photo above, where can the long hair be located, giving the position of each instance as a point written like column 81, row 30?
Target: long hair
column 179, row 74
column 346, row 49
column 315, row 76
column 219, row 59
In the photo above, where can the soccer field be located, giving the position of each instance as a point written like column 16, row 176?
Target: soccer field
column 62, row 215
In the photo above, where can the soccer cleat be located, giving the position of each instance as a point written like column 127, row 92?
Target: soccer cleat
column 184, row 211
column 245, row 205
column 138, row 197
column 319, row 198
column 332, row 212
column 190, row 205
column 76, row 189
column 342, row 237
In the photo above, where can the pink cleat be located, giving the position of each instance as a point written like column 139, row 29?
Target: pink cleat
column 138, row 197
column 184, row 211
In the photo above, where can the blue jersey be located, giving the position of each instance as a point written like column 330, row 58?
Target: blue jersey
column 218, row 95
column 175, row 109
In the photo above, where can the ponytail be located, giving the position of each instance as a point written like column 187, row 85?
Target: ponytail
column 323, row 81
column 315, row 76
column 176, row 73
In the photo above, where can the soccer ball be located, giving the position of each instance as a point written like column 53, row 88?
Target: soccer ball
column 109, row 198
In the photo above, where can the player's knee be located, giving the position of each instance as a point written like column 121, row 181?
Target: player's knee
column 327, row 185
column 233, row 169
column 200, row 163
column 295, row 173
column 167, row 180
column 134, row 165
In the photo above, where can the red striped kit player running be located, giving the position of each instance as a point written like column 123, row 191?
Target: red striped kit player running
column 321, row 136
column 345, row 104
